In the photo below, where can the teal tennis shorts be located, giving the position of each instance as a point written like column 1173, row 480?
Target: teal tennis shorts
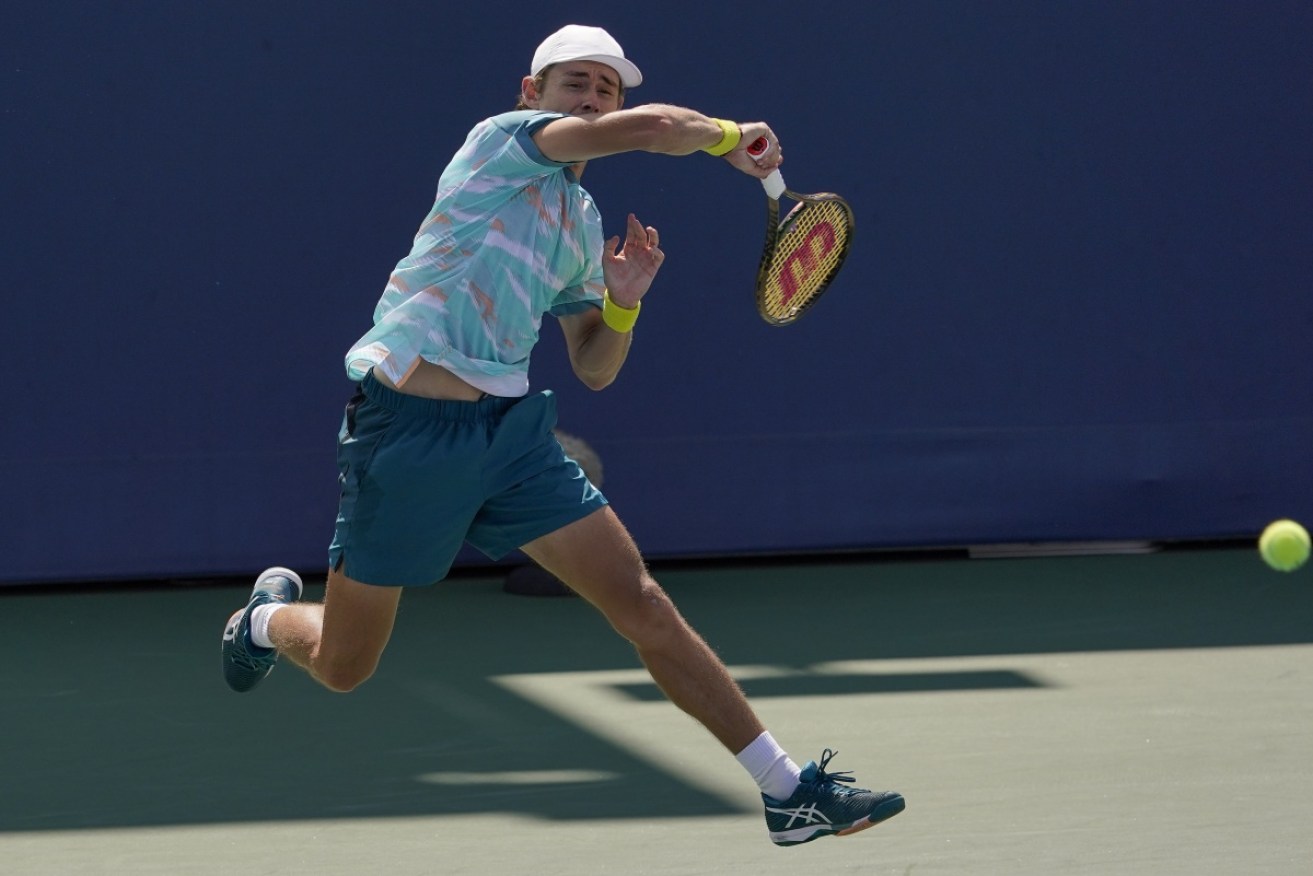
column 421, row 476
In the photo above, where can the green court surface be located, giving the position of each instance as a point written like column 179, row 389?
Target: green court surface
column 1144, row 714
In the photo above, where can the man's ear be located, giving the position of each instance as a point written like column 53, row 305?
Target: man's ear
column 529, row 92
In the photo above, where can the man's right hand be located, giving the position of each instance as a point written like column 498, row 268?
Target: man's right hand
column 760, row 166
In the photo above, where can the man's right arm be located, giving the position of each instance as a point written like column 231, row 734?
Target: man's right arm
column 660, row 128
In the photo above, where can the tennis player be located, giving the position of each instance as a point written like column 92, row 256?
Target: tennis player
column 443, row 443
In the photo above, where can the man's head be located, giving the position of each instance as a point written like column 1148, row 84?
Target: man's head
column 578, row 70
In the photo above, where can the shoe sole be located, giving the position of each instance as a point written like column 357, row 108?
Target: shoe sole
column 885, row 811
column 283, row 573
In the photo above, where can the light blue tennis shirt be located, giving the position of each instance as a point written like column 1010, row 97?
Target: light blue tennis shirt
column 511, row 236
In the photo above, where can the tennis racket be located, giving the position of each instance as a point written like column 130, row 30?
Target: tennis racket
column 804, row 252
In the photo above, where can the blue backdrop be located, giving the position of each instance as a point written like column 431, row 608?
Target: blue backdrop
column 1078, row 307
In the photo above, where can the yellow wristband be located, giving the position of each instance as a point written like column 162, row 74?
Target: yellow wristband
column 730, row 139
column 619, row 318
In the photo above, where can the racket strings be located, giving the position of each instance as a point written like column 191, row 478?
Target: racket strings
column 811, row 246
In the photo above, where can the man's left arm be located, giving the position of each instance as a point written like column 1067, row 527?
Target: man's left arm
column 598, row 340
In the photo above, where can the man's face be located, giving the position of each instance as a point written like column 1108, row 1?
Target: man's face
column 577, row 88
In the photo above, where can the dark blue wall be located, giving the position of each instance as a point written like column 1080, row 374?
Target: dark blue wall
column 1078, row 308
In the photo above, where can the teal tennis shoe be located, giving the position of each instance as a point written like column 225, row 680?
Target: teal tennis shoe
column 245, row 664
column 824, row 805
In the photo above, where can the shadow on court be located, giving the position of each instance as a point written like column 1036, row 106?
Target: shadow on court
column 115, row 713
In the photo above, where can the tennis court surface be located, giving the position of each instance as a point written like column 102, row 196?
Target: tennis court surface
column 1095, row 715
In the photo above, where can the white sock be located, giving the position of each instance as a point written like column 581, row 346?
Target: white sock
column 260, row 623
column 770, row 767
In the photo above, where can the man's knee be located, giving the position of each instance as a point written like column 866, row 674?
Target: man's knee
column 649, row 618
column 358, row 621
column 344, row 676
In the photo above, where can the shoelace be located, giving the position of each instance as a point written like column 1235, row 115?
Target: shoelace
column 242, row 656
column 823, row 777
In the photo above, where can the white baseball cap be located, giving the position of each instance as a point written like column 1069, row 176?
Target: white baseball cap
column 578, row 42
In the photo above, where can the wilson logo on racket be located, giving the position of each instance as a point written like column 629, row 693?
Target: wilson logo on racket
column 800, row 264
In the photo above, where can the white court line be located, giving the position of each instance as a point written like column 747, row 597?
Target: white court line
column 519, row 777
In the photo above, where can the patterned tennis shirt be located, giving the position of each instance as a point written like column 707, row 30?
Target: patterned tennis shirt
column 511, row 236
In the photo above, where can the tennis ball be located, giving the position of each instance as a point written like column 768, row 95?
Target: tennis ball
column 1284, row 545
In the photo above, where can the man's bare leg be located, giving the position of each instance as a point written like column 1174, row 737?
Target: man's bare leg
column 338, row 642
column 598, row 559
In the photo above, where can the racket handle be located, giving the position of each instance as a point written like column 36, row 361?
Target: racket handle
column 773, row 184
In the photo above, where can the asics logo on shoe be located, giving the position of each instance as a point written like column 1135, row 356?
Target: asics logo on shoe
column 808, row 814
